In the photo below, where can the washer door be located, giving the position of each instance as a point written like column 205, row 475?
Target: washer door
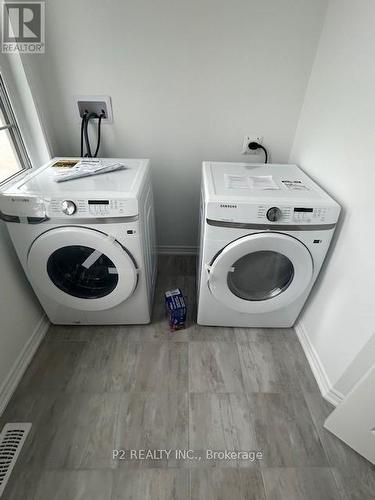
column 82, row 268
column 260, row 273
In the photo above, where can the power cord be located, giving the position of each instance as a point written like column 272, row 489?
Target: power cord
column 85, row 134
column 255, row 145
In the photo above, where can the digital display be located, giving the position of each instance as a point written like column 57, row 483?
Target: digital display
column 303, row 209
column 98, row 202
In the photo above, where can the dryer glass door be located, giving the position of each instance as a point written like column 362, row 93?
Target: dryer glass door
column 82, row 268
column 260, row 275
column 261, row 272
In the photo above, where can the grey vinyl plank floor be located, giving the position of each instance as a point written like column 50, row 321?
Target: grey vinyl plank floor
column 163, row 418
column 266, row 366
column 226, row 484
column 151, row 484
column 215, row 367
column 93, row 389
column 285, row 431
column 300, row 483
column 75, row 485
column 221, row 422
column 86, row 429
column 113, row 364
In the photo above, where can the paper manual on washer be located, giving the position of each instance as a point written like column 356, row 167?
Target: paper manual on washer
column 250, row 182
column 86, row 168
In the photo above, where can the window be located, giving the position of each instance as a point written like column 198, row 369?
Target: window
column 13, row 154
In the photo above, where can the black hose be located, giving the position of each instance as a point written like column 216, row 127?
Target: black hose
column 82, row 128
column 86, row 134
column 102, row 115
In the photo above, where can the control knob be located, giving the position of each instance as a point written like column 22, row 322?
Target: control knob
column 274, row 214
column 68, row 207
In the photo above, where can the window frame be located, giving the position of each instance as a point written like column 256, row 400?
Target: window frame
column 11, row 125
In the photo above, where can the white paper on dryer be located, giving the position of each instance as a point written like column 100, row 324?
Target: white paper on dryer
column 258, row 182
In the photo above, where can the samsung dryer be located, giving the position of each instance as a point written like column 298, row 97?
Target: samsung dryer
column 264, row 233
column 86, row 245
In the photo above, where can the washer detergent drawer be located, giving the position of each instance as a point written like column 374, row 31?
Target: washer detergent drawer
column 260, row 273
column 82, row 268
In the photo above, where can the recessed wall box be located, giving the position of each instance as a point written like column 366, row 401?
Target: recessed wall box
column 94, row 104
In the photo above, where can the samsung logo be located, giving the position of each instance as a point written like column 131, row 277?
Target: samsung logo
column 227, row 206
column 23, row 200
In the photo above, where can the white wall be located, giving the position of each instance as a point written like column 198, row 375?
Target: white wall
column 335, row 144
column 20, row 315
column 22, row 321
column 188, row 79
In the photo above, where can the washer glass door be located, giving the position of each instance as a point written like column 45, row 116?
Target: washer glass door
column 82, row 271
column 261, row 272
column 82, row 268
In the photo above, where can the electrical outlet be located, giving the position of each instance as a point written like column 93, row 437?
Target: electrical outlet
column 94, row 104
column 246, row 142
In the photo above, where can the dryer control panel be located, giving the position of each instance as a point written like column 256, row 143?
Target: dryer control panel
column 292, row 215
column 269, row 213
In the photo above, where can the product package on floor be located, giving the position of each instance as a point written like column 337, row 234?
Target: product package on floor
column 176, row 309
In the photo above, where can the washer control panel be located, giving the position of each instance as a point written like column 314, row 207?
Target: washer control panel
column 105, row 208
column 89, row 208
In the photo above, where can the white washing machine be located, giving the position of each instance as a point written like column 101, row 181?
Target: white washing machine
column 86, row 245
column 264, row 233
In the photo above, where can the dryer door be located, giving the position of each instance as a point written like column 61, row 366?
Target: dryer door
column 82, row 268
column 261, row 272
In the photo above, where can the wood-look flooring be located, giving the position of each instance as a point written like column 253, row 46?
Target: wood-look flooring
column 90, row 390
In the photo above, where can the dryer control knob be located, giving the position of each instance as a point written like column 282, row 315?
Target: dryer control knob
column 68, row 207
column 274, row 214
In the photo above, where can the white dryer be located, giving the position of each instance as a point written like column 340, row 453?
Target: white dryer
column 86, row 245
column 264, row 233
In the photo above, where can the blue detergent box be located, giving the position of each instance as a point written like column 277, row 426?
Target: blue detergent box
column 176, row 309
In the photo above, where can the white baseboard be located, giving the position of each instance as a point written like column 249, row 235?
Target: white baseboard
column 177, row 250
column 22, row 362
column 326, row 388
